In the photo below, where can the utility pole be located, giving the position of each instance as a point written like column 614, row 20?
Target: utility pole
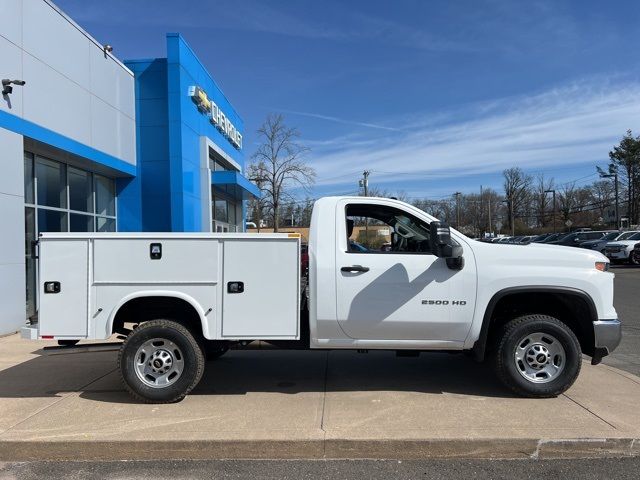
column 480, row 215
column 554, row 208
column 489, row 205
column 364, row 183
column 457, row 195
column 615, row 181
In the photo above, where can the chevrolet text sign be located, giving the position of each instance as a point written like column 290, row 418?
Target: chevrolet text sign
column 217, row 117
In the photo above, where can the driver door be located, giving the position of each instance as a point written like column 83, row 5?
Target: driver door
column 401, row 293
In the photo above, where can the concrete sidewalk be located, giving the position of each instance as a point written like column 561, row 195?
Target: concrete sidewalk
column 288, row 404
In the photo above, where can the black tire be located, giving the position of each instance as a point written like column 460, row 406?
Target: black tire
column 214, row 350
column 188, row 351
column 509, row 370
column 634, row 257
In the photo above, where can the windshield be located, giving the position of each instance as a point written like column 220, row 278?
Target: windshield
column 610, row 236
column 625, row 235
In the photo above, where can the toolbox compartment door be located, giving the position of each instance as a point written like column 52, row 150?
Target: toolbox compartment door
column 261, row 288
column 64, row 313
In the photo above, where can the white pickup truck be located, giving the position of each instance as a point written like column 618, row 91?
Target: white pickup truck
column 408, row 283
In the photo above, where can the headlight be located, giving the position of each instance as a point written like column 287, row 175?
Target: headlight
column 602, row 266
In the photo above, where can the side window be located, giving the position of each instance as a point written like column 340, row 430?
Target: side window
column 382, row 229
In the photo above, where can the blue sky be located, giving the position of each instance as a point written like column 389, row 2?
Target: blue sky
column 432, row 96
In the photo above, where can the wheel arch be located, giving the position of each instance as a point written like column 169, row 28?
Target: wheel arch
column 159, row 300
column 575, row 308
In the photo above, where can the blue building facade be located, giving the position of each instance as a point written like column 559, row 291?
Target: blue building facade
column 189, row 174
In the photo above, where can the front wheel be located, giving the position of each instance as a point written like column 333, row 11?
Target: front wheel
column 634, row 257
column 160, row 362
column 538, row 356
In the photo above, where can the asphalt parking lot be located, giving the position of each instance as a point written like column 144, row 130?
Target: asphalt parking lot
column 627, row 303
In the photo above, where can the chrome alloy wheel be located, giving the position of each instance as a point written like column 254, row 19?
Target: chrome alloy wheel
column 539, row 357
column 159, row 363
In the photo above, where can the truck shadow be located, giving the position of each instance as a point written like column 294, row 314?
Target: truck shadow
column 94, row 375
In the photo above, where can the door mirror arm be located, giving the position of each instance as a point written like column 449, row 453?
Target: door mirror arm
column 442, row 245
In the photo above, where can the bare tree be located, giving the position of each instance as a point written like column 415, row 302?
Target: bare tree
column 568, row 200
column 516, row 190
column 602, row 195
column 541, row 200
column 278, row 165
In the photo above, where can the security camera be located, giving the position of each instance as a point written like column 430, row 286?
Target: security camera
column 107, row 48
column 6, row 85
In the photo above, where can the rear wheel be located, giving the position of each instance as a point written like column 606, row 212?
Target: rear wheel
column 160, row 362
column 538, row 356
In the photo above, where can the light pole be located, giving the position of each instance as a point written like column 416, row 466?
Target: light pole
column 615, row 181
column 554, row 208
column 457, row 195
column 511, row 216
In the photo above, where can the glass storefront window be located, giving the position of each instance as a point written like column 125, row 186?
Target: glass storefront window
column 104, row 224
column 30, row 262
column 28, row 178
column 52, row 220
column 221, row 212
column 80, row 191
column 80, row 223
column 105, row 196
column 52, row 183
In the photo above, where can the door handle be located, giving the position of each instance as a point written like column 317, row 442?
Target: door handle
column 355, row 268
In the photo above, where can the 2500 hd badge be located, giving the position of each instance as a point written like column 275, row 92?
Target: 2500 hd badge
column 444, row 302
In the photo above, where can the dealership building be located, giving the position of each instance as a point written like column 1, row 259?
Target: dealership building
column 90, row 143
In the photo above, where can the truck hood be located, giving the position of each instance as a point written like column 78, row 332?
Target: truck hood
column 538, row 254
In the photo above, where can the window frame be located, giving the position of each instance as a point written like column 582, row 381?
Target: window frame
column 381, row 252
column 68, row 211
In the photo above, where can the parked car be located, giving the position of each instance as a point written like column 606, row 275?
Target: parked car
column 553, row 237
column 600, row 243
column 619, row 251
column 576, row 238
column 541, row 238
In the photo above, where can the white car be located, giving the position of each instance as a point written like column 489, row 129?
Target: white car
column 620, row 250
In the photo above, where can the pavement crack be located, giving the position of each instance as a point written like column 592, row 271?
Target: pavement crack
column 590, row 411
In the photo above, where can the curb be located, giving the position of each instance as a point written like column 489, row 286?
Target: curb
column 319, row 449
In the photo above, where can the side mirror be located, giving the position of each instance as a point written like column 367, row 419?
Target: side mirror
column 442, row 245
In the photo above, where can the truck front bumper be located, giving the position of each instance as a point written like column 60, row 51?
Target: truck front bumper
column 607, row 335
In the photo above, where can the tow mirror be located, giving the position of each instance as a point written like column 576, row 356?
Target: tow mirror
column 444, row 247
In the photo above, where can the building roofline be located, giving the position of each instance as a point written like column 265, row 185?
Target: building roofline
column 89, row 37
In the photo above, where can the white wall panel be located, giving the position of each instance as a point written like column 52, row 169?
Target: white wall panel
column 10, row 20
column 11, row 65
column 12, row 238
column 127, row 138
column 55, row 102
column 12, row 297
column 50, row 37
column 104, row 127
column 12, row 161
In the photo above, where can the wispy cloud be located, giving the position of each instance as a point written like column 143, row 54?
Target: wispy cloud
column 571, row 125
column 341, row 120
